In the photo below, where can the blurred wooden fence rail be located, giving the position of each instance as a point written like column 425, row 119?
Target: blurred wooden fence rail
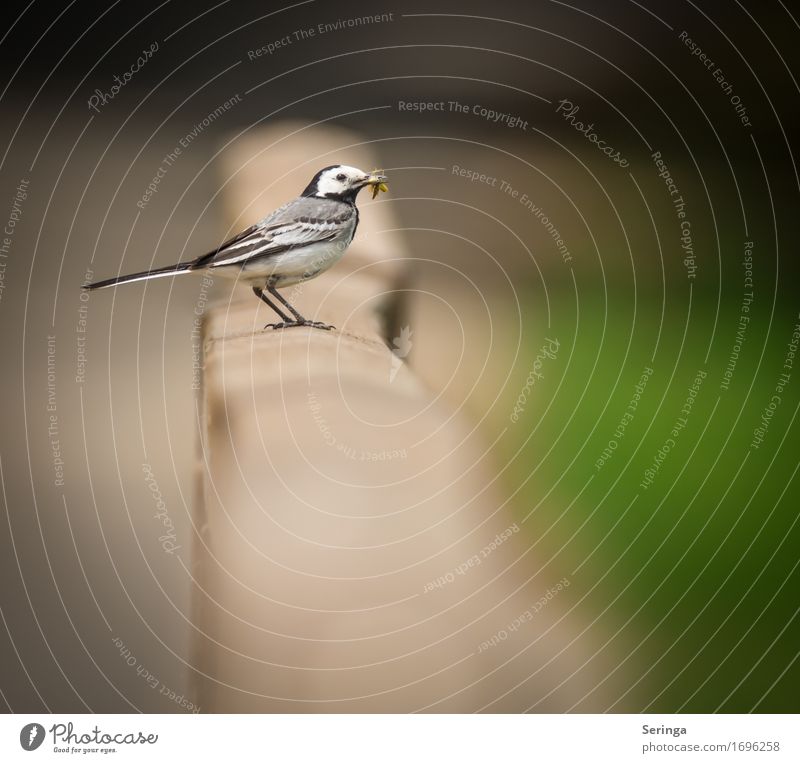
column 341, row 502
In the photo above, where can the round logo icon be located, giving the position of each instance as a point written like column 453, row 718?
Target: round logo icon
column 31, row 736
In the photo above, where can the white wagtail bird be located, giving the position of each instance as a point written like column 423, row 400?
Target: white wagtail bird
column 295, row 243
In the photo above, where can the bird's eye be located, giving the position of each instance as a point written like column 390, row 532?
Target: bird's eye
column 341, row 176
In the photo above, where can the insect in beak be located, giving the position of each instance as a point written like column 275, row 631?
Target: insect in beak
column 378, row 182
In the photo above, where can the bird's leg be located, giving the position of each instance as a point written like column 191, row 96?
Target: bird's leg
column 301, row 321
column 275, row 293
column 259, row 292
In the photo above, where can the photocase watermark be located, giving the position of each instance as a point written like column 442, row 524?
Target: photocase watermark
column 627, row 417
column 325, row 27
column 52, row 415
column 525, row 617
column 151, row 680
column 760, row 432
column 476, row 176
column 31, row 736
column 679, row 206
column 719, row 77
column 541, row 217
column 504, row 118
column 569, row 111
column 101, row 98
column 401, row 346
column 64, row 733
column 81, row 327
column 168, row 539
column 354, row 454
column 744, row 317
column 548, row 351
column 680, row 424
column 14, row 216
column 473, row 561
column 172, row 156
column 197, row 331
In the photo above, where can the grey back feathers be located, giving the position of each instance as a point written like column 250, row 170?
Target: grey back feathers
column 302, row 222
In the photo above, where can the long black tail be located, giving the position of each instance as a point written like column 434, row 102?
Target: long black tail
column 170, row 270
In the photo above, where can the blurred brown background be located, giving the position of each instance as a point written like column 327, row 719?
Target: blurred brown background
column 97, row 571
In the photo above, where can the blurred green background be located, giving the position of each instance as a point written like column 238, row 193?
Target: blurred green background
column 685, row 592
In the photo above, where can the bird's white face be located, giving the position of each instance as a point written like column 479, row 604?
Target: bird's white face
column 341, row 180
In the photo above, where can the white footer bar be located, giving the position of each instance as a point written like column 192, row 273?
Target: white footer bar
column 401, row 738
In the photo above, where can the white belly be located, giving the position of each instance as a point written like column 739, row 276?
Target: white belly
column 290, row 267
